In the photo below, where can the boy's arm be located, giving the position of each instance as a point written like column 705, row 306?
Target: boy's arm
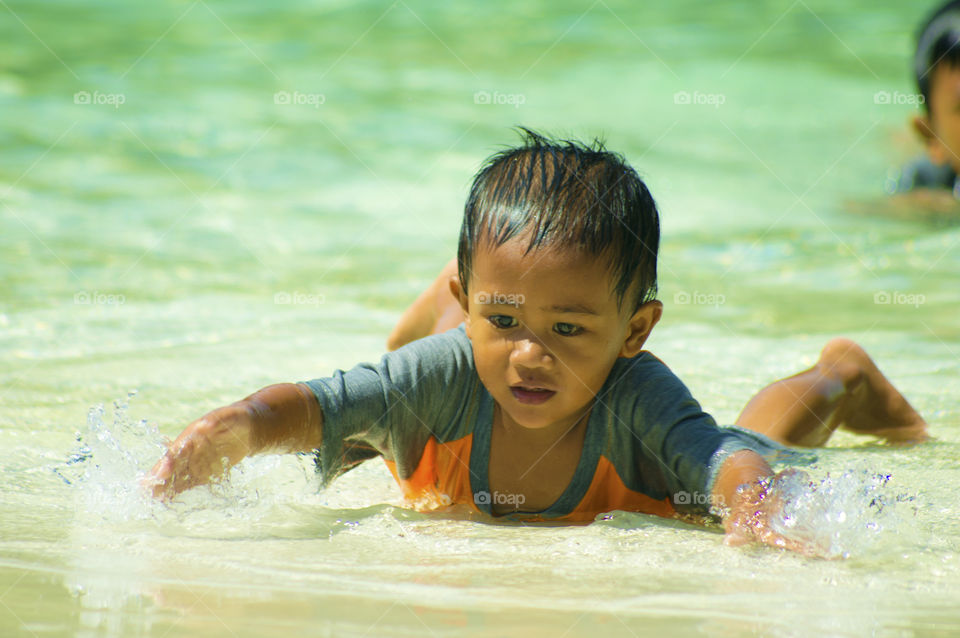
column 279, row 418
column 748, row 510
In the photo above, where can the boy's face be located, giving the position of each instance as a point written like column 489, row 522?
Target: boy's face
column 940, row 129
column 546, row 330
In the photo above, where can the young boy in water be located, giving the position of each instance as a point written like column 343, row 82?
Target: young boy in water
column 936, row 66
column 543, row 404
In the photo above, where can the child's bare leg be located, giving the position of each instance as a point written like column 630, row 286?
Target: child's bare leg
column 843, row 389
column 435, row 310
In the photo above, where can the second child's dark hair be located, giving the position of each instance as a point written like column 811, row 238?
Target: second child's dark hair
column 569, row 195
column 938, row 42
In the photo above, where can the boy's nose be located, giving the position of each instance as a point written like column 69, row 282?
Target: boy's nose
column 531, row 353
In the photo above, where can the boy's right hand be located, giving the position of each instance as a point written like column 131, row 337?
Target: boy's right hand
column 205, row 450
column 284, row 418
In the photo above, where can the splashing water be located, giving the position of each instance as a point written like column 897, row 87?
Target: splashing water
column 115, row 455
column 844, row 514
column 841, row 515
column 106, row 467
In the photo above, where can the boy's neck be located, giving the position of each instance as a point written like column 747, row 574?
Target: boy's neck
column 535, row 463
column 544, row 437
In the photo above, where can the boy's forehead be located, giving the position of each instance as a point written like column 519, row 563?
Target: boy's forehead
column 544, row 258
column 944, row 88
column 947, row 75
column 558, row 268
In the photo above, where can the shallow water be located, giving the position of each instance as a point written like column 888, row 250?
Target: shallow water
column 279, row 182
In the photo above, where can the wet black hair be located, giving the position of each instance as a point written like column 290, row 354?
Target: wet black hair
column 570, row 195
column 938, row 42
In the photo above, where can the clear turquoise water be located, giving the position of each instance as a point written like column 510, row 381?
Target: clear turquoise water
column 323, row 151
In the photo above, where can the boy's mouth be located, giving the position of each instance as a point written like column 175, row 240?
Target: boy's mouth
column 531, row 394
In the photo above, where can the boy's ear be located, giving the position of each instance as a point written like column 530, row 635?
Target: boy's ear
column 937, row 151
column 458, row 293
column 641, row 324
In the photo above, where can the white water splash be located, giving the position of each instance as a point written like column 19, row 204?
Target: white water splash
column 843, row 514
column 106, row 468
column 114, row 455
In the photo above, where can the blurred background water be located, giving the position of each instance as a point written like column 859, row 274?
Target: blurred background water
column 201, row 198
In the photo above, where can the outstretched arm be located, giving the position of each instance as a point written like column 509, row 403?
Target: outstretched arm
column 279, row 418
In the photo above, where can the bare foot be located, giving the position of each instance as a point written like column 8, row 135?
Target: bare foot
column 845, row 389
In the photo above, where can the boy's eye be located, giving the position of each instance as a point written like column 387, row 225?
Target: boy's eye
column 567, row 329
column 503, row 321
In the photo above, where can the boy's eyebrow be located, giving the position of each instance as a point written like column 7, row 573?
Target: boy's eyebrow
column 576, row 308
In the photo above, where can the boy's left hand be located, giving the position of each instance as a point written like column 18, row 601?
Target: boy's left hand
column 751, row 513
column 747, row 488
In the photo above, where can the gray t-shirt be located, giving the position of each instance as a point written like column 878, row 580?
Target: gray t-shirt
column 648, row 446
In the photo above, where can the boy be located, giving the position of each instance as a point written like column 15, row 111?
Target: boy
column 543, row 405
column 936, row 67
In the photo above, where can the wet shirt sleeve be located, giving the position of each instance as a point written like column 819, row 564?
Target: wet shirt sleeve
column 676, row 448
column 393, row 407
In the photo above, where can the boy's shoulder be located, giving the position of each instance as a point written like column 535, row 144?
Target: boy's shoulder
column 645, row 369
column 452, row 346
column 643, row 394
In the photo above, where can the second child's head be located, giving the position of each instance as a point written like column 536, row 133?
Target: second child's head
column 937, row 71
column 557, row 270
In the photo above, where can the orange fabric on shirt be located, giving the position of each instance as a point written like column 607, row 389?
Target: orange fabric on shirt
column 443, row 478
column 607, row 492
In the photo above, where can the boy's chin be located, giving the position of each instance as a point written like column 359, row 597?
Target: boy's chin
column 538, row 417
column 533, row 425
column 529, row 417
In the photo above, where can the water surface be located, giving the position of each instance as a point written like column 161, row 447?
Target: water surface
column 171, row 175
